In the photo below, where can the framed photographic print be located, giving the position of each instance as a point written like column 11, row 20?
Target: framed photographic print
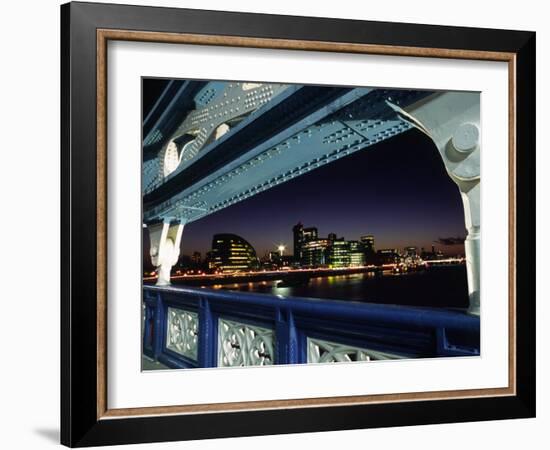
column 277, row 224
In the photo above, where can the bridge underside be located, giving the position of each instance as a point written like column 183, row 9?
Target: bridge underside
column 215, row 144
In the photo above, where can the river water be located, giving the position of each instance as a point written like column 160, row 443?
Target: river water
column 444, row 286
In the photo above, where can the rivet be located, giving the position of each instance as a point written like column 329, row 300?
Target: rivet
column 466, row 138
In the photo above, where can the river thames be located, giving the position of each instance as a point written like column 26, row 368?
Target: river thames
column 444, row 286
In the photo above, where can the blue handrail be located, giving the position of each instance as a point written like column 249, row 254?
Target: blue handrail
column 389, row 314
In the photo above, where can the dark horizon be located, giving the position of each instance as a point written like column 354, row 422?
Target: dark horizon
column 397, row 190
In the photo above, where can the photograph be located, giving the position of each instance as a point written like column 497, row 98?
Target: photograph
column 307, row 224
column 274, row 223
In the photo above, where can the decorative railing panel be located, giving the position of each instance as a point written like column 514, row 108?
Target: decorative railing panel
column 319, row 351
column 182, row 332
column 191, row 327
column 241, row 344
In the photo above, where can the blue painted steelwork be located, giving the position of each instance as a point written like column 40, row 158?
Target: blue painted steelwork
column 408, row 332
column 273, row 133
column 164, row 118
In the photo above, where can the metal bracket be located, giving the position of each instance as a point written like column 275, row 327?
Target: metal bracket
column 451, row 120
column 165, row 240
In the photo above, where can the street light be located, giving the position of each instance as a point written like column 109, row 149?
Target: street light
column 281, row 249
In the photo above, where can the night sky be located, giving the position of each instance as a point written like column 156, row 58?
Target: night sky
column 397, row 190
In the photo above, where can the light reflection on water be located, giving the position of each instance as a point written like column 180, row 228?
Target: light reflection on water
column 441, row 287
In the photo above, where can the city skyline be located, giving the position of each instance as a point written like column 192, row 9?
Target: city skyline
column 457, row 242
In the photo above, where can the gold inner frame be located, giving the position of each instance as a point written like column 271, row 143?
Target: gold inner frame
column 103, row 36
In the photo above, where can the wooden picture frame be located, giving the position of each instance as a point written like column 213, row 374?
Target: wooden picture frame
column 86, row 418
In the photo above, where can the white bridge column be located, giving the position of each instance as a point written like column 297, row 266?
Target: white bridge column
column 452, row 120
column 165, row 240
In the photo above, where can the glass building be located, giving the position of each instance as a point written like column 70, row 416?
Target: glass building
column 301, row 236
column 338, row 253
column 367, row 242
column 356, row 254
column 231, row 253
column 314, row 253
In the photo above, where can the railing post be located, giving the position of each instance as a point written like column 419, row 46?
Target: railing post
column 287, row 337
column 207, row 336
column 147, row 337
column 440, row 342
column 160, row 327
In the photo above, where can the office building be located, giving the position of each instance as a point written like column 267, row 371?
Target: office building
column 356, row 254
column 314, row 253
column 301, row 236
column 338, row 254
column 231, row 253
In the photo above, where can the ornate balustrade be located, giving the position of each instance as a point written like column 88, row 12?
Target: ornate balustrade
column 190, row 327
